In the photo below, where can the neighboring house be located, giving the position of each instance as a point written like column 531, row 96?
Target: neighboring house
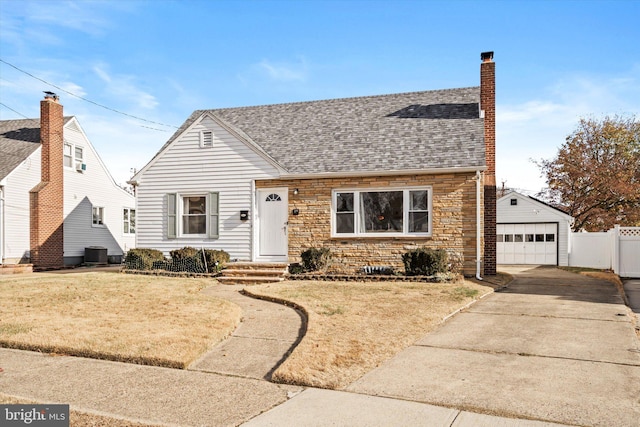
column 56, row 195
column 369, row 178
column 531, row 232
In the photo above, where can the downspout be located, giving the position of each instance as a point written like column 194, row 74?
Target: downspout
column 478, row 225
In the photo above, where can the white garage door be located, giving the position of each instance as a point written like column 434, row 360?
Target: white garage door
column 527, row 243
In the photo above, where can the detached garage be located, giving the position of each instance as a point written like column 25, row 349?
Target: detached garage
column 531, row 232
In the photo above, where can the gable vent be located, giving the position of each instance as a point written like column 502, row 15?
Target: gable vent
column 206, row 139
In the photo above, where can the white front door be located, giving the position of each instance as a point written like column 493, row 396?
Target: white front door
column 273, row 213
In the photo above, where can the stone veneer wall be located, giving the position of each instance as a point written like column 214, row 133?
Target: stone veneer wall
column 453, row 220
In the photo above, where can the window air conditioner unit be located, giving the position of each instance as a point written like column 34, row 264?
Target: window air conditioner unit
column 81, row 167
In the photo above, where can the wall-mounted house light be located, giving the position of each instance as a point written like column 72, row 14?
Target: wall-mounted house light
column 244, row 215
column 296, row 191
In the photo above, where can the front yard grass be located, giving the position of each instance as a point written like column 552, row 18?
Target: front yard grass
column 355, row 326
column 162, row 321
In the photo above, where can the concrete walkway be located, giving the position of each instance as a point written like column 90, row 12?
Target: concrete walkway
column 553, row 346
column 265, row 338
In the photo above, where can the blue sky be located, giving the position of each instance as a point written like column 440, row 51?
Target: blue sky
column 556, row 61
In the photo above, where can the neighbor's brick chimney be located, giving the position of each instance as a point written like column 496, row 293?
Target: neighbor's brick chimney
column 46, row 198
column 488, row 106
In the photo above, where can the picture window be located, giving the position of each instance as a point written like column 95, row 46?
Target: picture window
column 379, row 212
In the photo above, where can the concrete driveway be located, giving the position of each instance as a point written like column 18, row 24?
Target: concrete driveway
column 553, row 346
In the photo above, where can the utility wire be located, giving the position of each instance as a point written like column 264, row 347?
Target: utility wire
column 85, row 99
column 9, row 108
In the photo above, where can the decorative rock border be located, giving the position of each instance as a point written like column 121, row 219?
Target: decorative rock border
column 366, row 278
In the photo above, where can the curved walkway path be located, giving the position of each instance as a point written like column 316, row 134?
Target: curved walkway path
column 265, row 337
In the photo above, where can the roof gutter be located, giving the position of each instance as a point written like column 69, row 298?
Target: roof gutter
column 429, row 171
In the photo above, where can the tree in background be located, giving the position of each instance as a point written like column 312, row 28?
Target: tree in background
column 595, row 176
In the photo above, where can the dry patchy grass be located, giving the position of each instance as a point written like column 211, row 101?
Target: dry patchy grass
column 80, row 419
column 132, row 318
column 355, row 326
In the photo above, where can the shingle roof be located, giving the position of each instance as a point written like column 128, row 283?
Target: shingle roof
column 18, row 139
column 407, row 131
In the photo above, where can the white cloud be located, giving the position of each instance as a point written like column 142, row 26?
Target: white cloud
column 536, row 128
column 124, row 88
column 122, row 143
column 285, row 71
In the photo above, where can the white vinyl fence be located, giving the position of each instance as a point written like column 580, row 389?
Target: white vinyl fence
column 618, row 250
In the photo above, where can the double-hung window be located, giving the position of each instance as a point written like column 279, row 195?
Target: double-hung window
column 389, row 212
column 129, row 221
column 73, row 156
column 68, row 155
column 192, row 215
column 97, row 216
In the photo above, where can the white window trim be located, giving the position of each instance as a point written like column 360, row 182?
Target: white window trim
column 101, row 216
column 180, row 212
column 74, row 159
column 174, row 215
column 129, row 233
column 405, row 211
column 202, row 139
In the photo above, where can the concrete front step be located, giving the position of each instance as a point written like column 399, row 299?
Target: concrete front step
column 248, row 280
column 245, row 265
column 241, row 272
column 245, row 273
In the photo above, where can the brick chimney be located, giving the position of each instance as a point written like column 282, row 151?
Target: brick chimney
column 46, row 199
column 488, row 108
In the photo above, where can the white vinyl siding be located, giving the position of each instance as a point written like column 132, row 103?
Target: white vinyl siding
column 228, row 168
column 18, row 183
column 83, row 191
column 531, row 219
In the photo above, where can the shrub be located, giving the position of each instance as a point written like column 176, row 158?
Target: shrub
column 425, row 262
column 191, row 259
column 216, row 259
column 187, row 259
column 183, row 253
column 296, row 268
column 314, row 259
column 142, row 258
